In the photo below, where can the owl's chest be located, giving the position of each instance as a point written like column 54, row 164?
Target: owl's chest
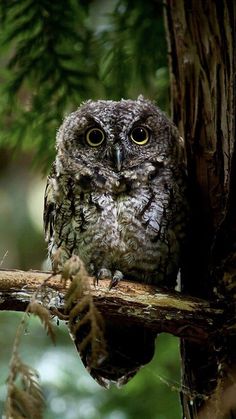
column 116, row 224
column 132, row 232
column 118, row 213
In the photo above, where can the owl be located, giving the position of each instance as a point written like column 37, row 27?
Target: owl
column 116, row 197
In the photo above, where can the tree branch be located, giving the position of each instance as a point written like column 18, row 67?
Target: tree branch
column 157, row 309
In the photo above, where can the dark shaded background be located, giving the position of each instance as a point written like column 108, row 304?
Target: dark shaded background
column 114, row 49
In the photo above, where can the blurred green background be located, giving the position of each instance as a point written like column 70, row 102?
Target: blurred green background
column 53, row 56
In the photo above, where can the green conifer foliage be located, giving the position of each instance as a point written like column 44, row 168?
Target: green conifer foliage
column 57, row 54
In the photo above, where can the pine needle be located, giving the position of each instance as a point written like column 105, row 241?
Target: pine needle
column 44, row 315
column 85, row 321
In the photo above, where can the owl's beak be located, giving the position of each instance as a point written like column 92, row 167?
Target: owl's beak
column 118, row 157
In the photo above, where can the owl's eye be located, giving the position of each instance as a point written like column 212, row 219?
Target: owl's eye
column 140, row 135
column 95, row 137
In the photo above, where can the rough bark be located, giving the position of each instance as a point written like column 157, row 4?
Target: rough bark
column 201, row 50
column 159, row 310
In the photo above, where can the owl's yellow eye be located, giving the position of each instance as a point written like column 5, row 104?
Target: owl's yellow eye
column 95, row 137
column 140, row 135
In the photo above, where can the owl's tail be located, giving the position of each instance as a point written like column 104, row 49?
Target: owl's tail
column 128, row 348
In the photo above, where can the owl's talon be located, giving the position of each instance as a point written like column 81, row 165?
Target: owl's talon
column 117, row 277
column 95, row 281
column 113, row 283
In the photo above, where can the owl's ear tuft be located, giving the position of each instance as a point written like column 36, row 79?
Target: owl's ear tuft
column 141, row 98
column 84, row 103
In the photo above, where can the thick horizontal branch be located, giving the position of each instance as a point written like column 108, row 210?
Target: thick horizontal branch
column 136, row 303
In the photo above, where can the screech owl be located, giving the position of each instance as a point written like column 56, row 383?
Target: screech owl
column 116, row 196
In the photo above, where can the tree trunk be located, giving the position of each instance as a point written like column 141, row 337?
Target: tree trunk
column 200, row 40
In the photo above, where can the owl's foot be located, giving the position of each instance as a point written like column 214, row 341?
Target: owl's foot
column 104, row 274
column 107, row 274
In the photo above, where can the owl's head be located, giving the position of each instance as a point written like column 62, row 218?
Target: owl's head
column 118, row 136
